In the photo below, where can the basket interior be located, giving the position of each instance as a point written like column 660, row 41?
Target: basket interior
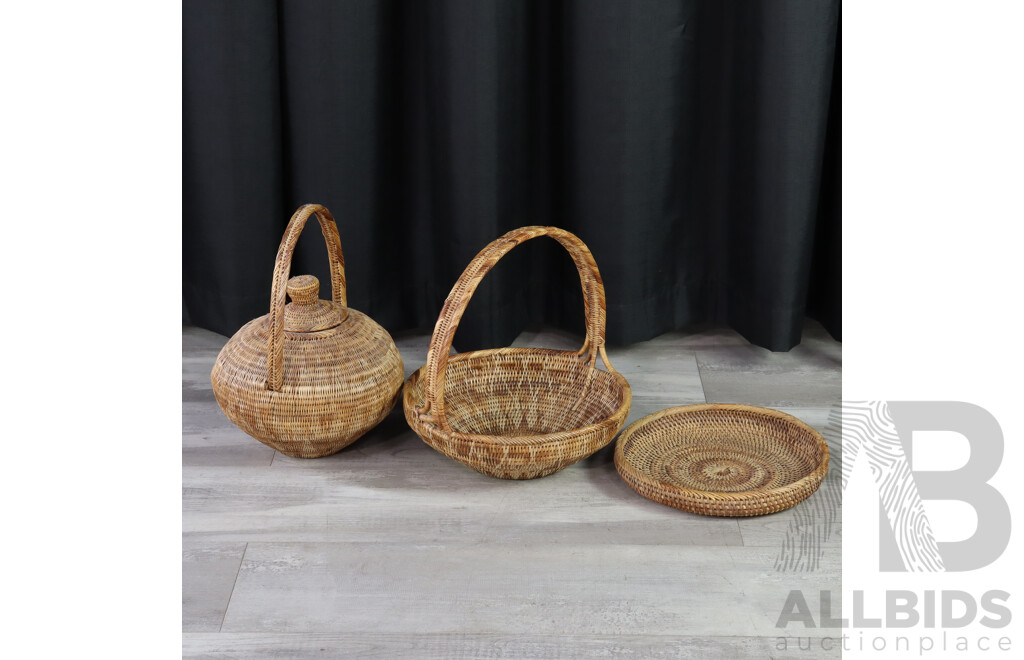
column 518, row 392
column 724, row 450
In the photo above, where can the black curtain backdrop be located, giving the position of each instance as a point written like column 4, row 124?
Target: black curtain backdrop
column 694, row 146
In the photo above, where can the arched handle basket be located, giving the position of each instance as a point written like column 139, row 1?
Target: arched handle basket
column 518, row 413
column 311, row 377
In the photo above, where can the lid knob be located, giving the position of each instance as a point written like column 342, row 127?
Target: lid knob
column 304, row 289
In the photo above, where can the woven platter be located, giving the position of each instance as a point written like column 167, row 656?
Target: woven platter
column 722, row 459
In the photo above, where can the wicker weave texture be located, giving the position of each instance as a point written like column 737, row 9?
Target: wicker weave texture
column 722, row 459
column 310, row 377
column 518, row 413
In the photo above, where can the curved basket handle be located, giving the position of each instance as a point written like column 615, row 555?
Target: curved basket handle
column 462, row 292
column 282, row 269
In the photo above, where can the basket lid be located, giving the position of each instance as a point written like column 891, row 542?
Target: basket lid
column 306, row 312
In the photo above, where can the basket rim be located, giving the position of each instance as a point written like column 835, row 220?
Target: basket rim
column 813, row 479
column 535, row 439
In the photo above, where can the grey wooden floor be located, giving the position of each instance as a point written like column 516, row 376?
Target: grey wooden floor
column 389, row 549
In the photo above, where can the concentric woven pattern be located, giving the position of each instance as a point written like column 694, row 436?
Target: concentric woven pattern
column 308, row 393
column 722, row 460
column 518, row 413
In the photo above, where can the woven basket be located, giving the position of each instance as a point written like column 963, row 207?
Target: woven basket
column 518, row 413
column 312, row 376
column 722, row 459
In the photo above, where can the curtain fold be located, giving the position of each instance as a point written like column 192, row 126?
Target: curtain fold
column 692, row 145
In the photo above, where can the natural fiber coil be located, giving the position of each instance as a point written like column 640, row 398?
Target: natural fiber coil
column 518, row 413
column 310, row 377
column 722, row 459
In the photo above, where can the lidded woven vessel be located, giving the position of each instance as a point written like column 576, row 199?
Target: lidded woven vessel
column 313, row 375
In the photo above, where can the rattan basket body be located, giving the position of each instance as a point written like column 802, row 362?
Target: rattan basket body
column 314, row 375
column 518, row 413
column 722, row 459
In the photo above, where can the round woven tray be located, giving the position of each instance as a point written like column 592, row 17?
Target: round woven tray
column 722, row 459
